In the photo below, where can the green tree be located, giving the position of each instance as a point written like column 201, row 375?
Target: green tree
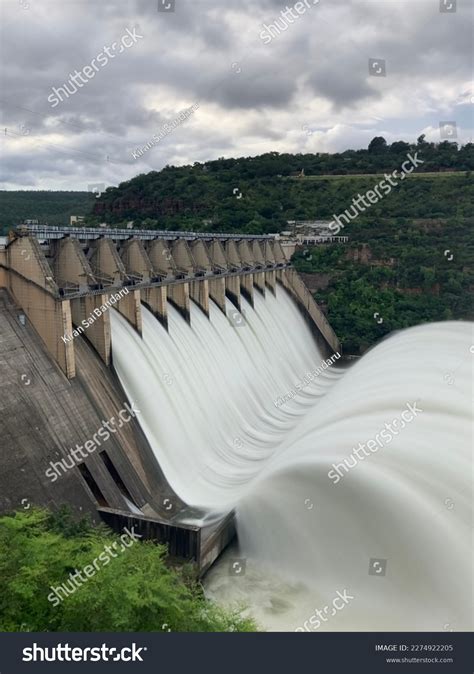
column 377, row 144
column 135, row 591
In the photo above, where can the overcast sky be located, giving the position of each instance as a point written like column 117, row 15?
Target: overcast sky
column 307, row 89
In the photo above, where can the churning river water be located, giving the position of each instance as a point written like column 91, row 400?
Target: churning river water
column 352, row 487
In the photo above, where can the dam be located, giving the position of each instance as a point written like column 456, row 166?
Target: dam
column 204, row 386
column 71, row 300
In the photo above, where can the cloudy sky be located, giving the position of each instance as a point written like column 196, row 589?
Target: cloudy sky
column 308, row 88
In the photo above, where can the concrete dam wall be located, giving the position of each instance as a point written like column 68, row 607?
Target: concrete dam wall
column 68, row 434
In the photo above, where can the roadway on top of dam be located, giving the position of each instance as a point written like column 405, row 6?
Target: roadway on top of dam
column 156, row 277
column 49, row 232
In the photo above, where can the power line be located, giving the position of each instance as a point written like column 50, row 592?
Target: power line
column 67, row 147
column 40, row 114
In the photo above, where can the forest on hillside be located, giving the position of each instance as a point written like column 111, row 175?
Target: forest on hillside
column 392, row 275
column 259, row 194
column 409, row 259
column 47, row 206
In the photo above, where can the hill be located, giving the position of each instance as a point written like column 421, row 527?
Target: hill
column 54, row 208
column 391, row 275
column 257, row 194
column 410, row 255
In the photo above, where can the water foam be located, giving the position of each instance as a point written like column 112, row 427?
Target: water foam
column 207, row 395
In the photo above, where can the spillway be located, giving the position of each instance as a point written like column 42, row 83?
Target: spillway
column 235, row 423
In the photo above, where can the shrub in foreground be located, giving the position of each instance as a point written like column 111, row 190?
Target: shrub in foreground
column 134, row 591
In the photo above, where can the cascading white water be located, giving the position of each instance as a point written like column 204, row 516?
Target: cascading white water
column 394, row 531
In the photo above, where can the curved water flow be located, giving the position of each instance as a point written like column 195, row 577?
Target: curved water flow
column 234, row 424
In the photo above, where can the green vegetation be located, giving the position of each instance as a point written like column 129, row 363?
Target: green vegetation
column 407, row 279
column 53, row 208
column 204, row 197
column 380, row 176
column 136, row 591
column 397, row 269
column 268, row 203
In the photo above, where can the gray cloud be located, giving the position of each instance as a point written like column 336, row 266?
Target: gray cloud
column 253, row 97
